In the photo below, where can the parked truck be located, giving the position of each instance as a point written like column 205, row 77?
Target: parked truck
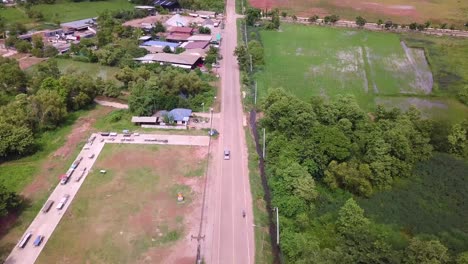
column 76, row 163
column 62, row 202
column 65, row 177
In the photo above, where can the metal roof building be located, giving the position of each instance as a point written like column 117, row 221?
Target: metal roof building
column 195, row 44
column 180, row 114
column 199, row 38
column 144, row 119
column 178, row 60
column 155, row 43
column 80, row 24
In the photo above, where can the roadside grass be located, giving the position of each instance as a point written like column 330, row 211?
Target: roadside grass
column 18, row 174
column 263, row 251
column 372, row 66
column 65, row 11
column 131, row 210
column 119, row 120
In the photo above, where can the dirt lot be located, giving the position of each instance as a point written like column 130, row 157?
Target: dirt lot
column 28, row 61
column 448, row 11
column 131, row 213
column 149, row 20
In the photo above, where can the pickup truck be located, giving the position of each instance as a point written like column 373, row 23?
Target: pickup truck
column 62, row 202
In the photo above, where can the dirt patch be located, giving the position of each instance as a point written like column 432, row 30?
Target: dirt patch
column 27, row 62
column 313, row 11
column 80, row 130
column 147, row 20
column 391, row 10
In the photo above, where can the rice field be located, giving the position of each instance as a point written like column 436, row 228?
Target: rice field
column 321, row 61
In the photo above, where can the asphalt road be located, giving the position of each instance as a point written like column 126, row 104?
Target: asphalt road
column 45, row 223
column 229, row 237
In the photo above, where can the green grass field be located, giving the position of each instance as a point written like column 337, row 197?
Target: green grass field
column 94, row 70
column 65, row 11
column 130, row 213
column 372, row 66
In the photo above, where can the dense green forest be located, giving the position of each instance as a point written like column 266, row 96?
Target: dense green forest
column 357, row 187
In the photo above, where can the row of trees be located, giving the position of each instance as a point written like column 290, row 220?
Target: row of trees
column 319, row 149
column 253, row 16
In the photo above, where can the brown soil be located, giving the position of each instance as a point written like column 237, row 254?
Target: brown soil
column 165, row 210
column 27, row 61
column 391, row 10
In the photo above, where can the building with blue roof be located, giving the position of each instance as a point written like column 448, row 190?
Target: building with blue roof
column 161, row 44
column 180, row 115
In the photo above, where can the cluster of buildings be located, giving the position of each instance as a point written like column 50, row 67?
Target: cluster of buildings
column 177, row 118
column 180, row 33
column 71, row 32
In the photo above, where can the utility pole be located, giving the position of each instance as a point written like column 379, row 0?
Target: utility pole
column 264, row 144
column 277, row 225
column 250, row 63
column 255, row 96
column 245, row 33
column 211, row 120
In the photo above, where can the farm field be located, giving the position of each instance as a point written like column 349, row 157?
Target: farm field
column 131, row 213
column 65, row 11
column 399, row 11
column 375, row 67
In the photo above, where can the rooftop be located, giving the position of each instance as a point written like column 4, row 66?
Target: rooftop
column 199, row 38
column 144, row 119
column 180, row 114
column 178, row 36
column 145, row 7
column 153, row 49
column 182, row 59
column 160, row 43
column 165, row 2
column 83, row 23
column 181, row 29
column 195, row 45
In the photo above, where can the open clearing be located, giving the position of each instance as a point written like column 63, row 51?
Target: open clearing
column 400, row 11
column 322, row 61
column 131, row 213
column 94, row 70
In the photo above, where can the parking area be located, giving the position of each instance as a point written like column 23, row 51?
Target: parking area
column 45, row 222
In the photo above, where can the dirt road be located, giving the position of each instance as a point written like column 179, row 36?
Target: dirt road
column 229, row 236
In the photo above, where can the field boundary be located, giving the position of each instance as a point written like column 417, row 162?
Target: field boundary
column 374, row 27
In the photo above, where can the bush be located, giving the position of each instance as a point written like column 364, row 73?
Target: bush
column 23, row 46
